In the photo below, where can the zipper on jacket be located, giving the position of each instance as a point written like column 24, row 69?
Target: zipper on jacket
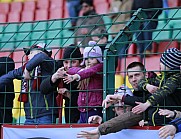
column 46, row 102
column 29, row 98
column 153, row 115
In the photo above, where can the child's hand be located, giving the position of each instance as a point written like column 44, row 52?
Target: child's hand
column 141, row 123
column 64, row 92
column 60, row 73
column 26, row 74
column 70, row 78
column 167, row 113
column 95, row 119
column 151, row 88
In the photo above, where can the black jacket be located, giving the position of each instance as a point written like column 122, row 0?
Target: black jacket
column 6, row 91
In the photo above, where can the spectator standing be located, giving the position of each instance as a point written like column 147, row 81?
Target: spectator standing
column 73, row 7
column 71, row 58
column 147, row 25
column 39, row 109
column 91, row 19
column 168, row 95
column 90, row 83
column 7, row 92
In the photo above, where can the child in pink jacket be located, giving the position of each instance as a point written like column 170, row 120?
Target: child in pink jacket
column 90, row 83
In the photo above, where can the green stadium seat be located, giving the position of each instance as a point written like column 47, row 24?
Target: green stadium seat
column 38, row 32
column 54, row 32
column 23, row 35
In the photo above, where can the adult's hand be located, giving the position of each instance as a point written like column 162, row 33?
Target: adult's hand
column 93, row 134
column 111, row 99
column 168, row 130
column 167, row 113
column 141, row 107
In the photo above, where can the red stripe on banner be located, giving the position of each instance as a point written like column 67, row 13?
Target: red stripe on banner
column 75, row 126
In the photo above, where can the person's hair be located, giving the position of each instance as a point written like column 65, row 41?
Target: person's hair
column 100, row 33
column 136, row 64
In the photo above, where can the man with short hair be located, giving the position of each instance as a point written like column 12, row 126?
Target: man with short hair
column 136, row 72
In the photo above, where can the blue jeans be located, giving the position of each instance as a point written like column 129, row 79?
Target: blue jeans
column 145, row 35
column 41, row 120
column 84, row 116
column 73, row 9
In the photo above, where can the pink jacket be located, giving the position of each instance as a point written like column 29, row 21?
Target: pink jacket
column 93, row 95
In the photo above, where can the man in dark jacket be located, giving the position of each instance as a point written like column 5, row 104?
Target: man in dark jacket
column 71, row 58
column 6, row 91
column 39, row 109
column 136, row 72
column 91, row 19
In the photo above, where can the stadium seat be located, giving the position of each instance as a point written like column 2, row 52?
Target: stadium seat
column 16, row 6
column 27, row 16
column 56, row 4
column 41, row 14
column 162, row 46
column 4, row 8
column 119, row 80
column 19, row 58
column 132, row 49
column 152, row 63
column 57, row 53
column 39, row 32
column 13, row 17
column 54, row 32
column 173, row 3
column 23, row 35
column 29, row 6
column 102, row 8
column 56, row 13
column 43, row 4
column 2, row 18
column 96, row 2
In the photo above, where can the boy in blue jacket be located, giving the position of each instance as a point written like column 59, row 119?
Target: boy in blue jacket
column 38, row 107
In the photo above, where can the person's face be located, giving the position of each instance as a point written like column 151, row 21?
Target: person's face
column 33, row 53
column 70, row 63
column 89, row 62
column 134, row 76
column 163, row 67
column 99, row 41
column 86, row 7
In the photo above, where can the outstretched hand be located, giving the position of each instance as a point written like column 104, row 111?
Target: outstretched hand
column 93, row 134
column 167, row 113
column 141, row 107
column 111, row 99
column 168, row 130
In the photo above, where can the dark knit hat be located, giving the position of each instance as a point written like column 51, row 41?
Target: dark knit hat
column 89, row 2
column 71, row 52
column 171, row 58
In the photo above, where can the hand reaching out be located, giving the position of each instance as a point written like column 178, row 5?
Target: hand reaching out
column 168, row 130
column 141, row 107
column 60, row 73
column 167, row 113
column 70, row 78
column 111, row 99
column 95, row 119
column 93, row 134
